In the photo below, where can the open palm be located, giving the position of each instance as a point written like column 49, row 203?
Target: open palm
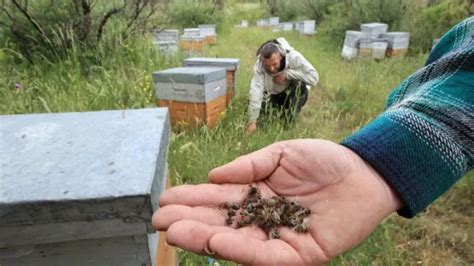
column 347, row 198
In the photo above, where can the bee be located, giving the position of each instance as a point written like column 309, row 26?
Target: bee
column 302, row 228
column 273, row 234
column 231, row 205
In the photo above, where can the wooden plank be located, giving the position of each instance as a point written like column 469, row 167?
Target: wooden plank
column 190, row 115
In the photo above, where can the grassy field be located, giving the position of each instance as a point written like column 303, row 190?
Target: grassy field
column 348, row 96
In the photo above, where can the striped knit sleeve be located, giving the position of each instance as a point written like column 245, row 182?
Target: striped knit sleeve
column 424, row 140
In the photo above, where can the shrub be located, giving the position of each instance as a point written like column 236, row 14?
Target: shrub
column 191, row 13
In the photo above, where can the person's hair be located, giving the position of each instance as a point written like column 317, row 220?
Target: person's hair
column 268, row 49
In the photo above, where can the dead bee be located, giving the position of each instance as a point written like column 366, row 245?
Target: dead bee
column 302, row 228
column 253, row 190
column 273, row 234
column 231, row 205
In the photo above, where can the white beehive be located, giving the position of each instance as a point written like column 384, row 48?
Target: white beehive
column 373, row 30
column 192, row 32
column 379, row 48
column 273, row 21
column 308, row 27
column 398, row 43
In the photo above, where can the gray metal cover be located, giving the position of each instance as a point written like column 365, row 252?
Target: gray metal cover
column 191, row 92
column 82, row 167
column 193, row 75
column 396, row 35
column 375, row 26
column 228, row 63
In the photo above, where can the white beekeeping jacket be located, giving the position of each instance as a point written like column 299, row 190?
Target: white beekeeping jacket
column 296, row 68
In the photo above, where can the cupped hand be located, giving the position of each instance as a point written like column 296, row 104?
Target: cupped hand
column 347, row 198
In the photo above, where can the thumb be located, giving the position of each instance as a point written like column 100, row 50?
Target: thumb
column 249, row 168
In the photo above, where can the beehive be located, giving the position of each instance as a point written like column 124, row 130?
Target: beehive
column 194, row 95
column 166, row 41
column 244, row 24
column 191, row 32
column 351, row 43
column 373, row 30
column 307, row 28
column 379, row 48
column 274, row 21
column 209, row 33
column 192, row 45
column 397, row 43
column 80, row 188
column 230, row 64
column 166, row 35
column 365, row 48
column 167, row 47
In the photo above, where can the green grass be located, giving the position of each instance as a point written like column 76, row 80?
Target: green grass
column 348, row 96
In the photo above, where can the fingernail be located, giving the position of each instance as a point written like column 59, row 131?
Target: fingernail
column 208, row 250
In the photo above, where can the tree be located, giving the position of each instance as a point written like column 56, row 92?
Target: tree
column 55, row 25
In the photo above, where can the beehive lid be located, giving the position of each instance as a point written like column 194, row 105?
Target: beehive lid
column 396, row 35
column 375, row 25
column 353, row 33
column 193, row 75
column 207, row 26
column 64, row 167
column 228, row 63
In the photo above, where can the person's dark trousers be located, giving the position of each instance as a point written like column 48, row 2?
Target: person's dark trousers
column 288, row 103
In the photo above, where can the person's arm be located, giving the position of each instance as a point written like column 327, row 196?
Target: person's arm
column 256, row 94
column 301, row 69
column 424, row 141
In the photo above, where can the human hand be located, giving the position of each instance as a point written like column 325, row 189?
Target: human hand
column 347, row 198
column 279, row 79
column 251, row 128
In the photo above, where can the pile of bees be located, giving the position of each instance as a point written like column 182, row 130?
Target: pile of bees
column 267, row 214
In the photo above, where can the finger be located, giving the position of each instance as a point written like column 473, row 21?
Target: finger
column 308, row 249
column 203, row 195
column 194, row 236
column 249, row 168
column 246, row 250
column 170, row 214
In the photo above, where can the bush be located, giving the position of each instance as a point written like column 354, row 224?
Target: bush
column 191, row 13
column 52, row 30
column 426, row 23
column 348, row 15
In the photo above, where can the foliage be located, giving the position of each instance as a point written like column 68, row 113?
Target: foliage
column 191, row 13
column 54, row 29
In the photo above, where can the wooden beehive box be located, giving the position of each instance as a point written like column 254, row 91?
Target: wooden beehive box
column 194, row 95
column 209, row 33
column 192, row 45
column 397, row 43
column 81, row 188
column 230, row 64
